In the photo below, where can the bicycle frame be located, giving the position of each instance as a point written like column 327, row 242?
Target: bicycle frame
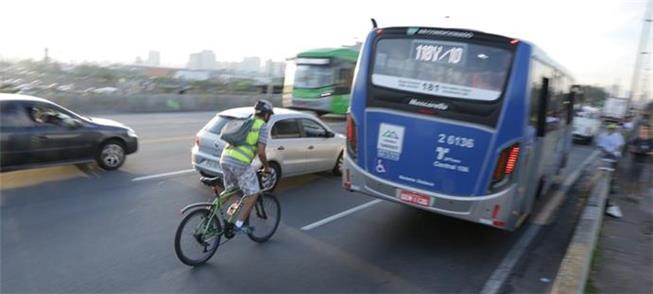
column 216, row 206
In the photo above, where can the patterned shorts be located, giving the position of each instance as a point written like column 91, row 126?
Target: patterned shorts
column 241, row 176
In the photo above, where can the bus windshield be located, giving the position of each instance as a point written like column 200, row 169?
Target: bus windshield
column 313, row 76
column 441, row 68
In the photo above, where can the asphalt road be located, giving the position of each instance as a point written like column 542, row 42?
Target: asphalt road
column 81, row 229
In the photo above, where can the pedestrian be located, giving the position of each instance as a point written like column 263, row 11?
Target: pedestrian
column 641, row 150
column 611, row 143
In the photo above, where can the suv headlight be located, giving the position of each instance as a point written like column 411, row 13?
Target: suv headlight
column 131, row 133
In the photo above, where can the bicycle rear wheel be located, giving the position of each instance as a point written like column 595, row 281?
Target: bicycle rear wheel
column 197, row 238
column 264, row 218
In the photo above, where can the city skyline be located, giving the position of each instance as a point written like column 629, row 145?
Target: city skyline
column 595, row 40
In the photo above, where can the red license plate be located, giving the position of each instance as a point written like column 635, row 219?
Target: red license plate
column 415, row 198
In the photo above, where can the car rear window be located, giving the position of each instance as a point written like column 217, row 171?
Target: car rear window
column 216, row 124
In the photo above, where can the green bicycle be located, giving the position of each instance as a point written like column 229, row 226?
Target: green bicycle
column 200, row 231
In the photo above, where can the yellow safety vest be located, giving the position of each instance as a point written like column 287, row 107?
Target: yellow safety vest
column 246, row 153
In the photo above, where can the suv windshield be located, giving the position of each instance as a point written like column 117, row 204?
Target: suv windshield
column 441, row 68
column 313, row 76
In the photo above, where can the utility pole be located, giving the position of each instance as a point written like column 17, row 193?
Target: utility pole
column 641, row 51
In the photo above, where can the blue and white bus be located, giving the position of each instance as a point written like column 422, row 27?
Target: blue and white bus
column 457, row 122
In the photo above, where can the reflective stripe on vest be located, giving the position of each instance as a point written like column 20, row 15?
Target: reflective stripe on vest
column 246, row 153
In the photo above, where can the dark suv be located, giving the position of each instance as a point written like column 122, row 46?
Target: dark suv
column 35, row 132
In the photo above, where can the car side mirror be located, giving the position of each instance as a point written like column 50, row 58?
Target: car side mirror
column 329, row 134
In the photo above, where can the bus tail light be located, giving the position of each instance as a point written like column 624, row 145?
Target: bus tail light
column 506, row 163
column 512, row 159
column 351, row 137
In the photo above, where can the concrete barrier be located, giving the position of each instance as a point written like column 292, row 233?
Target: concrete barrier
column 157, row 103
column 575, row 267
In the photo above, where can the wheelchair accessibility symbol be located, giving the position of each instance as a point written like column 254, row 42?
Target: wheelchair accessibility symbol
column 379, row 167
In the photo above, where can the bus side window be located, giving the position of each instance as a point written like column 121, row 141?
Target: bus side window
column 543, row 101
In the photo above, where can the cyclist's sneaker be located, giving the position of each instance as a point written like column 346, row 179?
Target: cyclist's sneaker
column 244, row 229
column 614, row 211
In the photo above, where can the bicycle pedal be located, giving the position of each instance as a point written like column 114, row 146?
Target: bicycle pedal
column 229, row 230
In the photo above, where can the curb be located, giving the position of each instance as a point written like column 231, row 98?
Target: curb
column 575, row 266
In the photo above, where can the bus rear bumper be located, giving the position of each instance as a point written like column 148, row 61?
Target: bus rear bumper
column 494, row 210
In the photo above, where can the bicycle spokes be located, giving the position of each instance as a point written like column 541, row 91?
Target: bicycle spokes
column 260, row 210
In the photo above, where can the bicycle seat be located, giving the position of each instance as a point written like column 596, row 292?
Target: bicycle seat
column 217, row 181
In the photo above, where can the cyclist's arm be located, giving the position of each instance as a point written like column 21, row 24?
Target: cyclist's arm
column 262, row 156
column 262, row 142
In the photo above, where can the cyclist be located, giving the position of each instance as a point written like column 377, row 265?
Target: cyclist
column 236, row 162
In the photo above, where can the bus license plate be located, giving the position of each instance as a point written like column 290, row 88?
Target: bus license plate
column 415, row 198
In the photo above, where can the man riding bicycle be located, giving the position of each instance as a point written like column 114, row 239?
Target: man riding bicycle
column 236, row 162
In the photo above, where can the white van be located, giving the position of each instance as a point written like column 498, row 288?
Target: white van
column 587, row 124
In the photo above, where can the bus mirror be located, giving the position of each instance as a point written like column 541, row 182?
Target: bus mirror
column 570, row 106
column 542, row 108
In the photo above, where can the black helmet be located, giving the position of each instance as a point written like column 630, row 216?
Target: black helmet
column 263, row 106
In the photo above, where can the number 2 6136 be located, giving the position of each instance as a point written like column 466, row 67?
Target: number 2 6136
column 456, row 140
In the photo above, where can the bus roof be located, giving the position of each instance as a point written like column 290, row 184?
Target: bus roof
column 338, row 53
column 543, row 57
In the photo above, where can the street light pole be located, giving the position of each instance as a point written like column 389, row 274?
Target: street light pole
column 641, row 51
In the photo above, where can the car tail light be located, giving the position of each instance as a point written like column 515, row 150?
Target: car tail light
column 197, row 140
column 351, row 137
column 506, row 163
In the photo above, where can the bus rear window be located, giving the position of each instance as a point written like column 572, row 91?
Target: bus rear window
column 441, row 68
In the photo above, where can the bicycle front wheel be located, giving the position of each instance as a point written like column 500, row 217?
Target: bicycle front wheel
column 197, row 237
column 264, row 218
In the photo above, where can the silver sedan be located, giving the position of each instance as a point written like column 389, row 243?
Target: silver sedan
column 298, row 143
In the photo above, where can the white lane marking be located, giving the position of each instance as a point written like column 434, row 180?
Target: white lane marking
column 340, row 215
column 174, row 173
column 494, row 284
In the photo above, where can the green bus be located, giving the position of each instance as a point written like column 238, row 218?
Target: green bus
column 320, row 80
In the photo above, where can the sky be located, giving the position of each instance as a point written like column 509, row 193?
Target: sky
column 595, row 39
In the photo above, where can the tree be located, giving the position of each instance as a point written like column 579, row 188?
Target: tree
column 593, row 96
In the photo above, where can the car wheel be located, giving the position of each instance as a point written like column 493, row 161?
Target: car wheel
column 275, row 174
column 110, row 155
column 337, row 169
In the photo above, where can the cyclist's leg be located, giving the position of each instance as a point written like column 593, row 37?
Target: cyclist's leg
column 249, row 185
column 230, row 179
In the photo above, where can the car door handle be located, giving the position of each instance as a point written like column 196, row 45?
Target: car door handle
column 281, row 148
column 310, row 147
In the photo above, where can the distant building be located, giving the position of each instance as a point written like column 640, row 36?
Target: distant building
column 202, row 60
column 192, row 75
column 250, row 64
column 229, row 66
column 153, row 58
column 274, row 69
